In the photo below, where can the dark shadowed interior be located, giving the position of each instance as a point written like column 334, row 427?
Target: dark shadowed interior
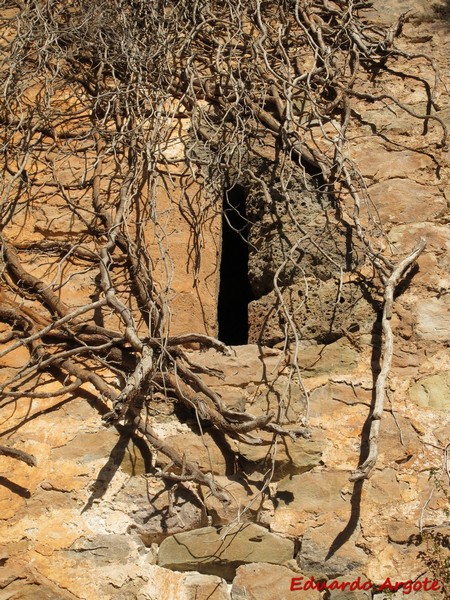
column 235, row 292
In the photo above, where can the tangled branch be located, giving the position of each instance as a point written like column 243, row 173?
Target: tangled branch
column 93, row 97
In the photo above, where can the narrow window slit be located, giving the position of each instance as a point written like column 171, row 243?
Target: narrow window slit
column 234, row 291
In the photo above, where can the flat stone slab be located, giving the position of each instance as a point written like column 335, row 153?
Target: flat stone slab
column 221, row 551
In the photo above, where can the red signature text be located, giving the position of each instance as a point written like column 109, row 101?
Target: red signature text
column 408, row 586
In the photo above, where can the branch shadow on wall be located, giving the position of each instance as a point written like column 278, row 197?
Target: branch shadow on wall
column 15, row 488
column 355, row 501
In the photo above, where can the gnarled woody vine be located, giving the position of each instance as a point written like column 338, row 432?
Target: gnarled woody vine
column 102, row 84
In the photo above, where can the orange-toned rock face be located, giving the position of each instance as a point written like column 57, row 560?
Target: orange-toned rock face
column 61, row 217
column 86, row 520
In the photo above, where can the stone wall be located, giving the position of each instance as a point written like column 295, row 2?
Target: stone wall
column 91, row 521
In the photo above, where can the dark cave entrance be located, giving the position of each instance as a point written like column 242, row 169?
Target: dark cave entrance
column 234, row 292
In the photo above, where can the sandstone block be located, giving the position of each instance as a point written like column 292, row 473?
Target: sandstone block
column 154, row 521
column 338, row 357
column 313, row 492
column 267, row 582
column 202, row 450
column 380, row 163
column 383, row 487
column 413, row 202
column 303, row 499
column 244, row 503
column 328, row 551
column 250, row 363
column 290, row 456
column 221, row 552
column 205, row 587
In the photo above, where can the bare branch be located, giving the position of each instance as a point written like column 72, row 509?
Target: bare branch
column 364, row 470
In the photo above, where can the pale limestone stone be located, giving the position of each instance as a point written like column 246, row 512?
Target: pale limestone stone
column 433, row 319
column 432, row 392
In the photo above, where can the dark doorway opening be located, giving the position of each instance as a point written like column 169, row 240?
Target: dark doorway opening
column 234, row 292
